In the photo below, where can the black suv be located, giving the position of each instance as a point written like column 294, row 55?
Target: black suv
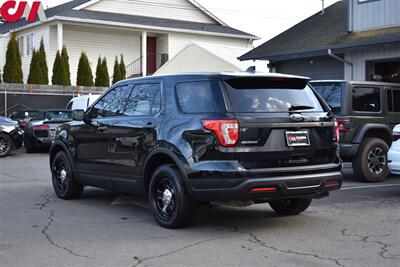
column 184, row 140
column 366, row 114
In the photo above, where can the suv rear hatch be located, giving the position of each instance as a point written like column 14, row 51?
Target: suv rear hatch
column 283, row 124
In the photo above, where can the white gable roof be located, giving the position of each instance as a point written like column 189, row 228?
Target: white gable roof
column 188, row 10
column 206, row 57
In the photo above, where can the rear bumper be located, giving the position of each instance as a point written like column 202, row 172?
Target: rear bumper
column 287, row 186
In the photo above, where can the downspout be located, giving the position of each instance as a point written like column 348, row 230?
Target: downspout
column 341, row 60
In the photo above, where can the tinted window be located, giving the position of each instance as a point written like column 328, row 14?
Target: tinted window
column 366, row 99
column 112, row 104
column 196, row 97
column 271, row 95
column 331, row 93
column 393, row 98
column 144, row 100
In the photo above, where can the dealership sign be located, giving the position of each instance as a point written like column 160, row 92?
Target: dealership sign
column 12, row 11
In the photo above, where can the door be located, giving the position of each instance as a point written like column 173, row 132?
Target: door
column 93, row 138
column 151, row 55
column 134, row 135
column 393, row 106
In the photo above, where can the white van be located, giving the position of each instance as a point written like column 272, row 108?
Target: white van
column 82, row 102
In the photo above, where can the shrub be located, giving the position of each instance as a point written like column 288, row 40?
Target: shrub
column 43, row 77
column 102, row 77
column 85, row 76
column 65, row 61
column 35, row 72
column 12, row 72
column 122, row 68
column 117, row 71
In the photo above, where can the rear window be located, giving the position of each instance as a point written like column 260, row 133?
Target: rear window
column 331, row 92
column 55, row 115
column 264, row 94
column 198, row 97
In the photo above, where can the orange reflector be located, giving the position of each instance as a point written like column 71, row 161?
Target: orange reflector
column 263, row 189
column 331, row 183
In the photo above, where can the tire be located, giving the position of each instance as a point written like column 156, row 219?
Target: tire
column 170, row 204
column 6, row 145
column 291, row 206
column 64, row 183
column 29, row 147
column 370, row 163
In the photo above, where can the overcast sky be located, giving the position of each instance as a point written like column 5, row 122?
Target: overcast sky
column 264, row 18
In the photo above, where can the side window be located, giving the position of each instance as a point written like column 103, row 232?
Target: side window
column 69, row 105
column 144, row 100
column 393, row 99
column 196, row 97
column 366, row 99
column 112, row 104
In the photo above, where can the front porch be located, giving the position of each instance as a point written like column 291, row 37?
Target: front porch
column 144, row 51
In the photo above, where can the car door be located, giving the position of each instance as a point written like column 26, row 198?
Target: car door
column 133, row 135
column 93, row 138
column 393, row 106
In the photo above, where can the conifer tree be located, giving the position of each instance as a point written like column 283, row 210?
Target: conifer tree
column 106, row 76
column 84, row 76
column 122, row 68
column 35, row 72
column 65, row 60
column 58, row 77
column 12, row 72
column 41, row 57
column 117, row 71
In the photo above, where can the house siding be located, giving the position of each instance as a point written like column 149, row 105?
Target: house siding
column 178, row 41
column 375, row 14
column 321, row 68
column 359, row 58
column 110, row 43
column 170, row 9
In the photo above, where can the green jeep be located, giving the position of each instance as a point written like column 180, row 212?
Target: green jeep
column 366, row 114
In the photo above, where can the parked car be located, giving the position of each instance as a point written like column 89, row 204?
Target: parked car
column 366, row 114
column 23, row 117
column 10, row 136
column 82, row 102
column 394, row 152
column 40, row 132
column 187, row 139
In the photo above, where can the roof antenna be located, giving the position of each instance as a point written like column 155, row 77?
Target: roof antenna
column 323, row 7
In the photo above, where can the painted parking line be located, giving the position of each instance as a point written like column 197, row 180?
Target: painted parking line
column 368, row 186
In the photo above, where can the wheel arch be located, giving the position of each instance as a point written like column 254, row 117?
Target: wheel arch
column 373, row 130
column 157, row 158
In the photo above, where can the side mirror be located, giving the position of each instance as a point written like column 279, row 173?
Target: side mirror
column 78, row 115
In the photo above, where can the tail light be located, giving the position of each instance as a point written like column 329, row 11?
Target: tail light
column 40, row 127
column 343, row 125
column 227, row 131
column 337, row 131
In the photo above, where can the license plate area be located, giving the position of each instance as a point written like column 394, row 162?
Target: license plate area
column 297, row 138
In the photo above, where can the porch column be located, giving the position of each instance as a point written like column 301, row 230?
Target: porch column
column 144, row 53
column 59, row 36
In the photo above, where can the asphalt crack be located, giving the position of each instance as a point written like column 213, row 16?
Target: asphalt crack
column 256, row 240
column 50, row 221
column 383, row 247
column 141, row 260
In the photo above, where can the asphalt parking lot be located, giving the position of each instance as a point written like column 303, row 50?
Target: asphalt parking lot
column 357, row 226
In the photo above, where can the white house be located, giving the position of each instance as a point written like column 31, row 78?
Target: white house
column 147, row 33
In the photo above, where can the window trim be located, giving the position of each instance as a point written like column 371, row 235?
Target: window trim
column 367, row 112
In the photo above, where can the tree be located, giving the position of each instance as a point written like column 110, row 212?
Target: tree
column 58, row 77
column 12, row 72
column 35, row 71
column 85, row 76
column 117, row 71
column 65, row 60
column 122, row 68
column 102, row 77
column 42, row 63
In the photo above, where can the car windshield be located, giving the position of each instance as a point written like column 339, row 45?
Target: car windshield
column 55, row 115
column 269, row 94
column 331, row 92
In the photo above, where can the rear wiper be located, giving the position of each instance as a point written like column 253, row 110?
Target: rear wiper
column 300, row 107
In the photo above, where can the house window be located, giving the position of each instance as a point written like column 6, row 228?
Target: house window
column 393, row 99
column 30, row 39
column 21, row 45
column 384, row 71
column 366, row 99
